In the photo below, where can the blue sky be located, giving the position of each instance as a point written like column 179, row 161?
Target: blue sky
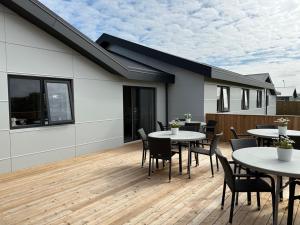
column 245, row 36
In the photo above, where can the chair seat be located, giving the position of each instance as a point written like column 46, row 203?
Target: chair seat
column 252, row 185
column 200, row 150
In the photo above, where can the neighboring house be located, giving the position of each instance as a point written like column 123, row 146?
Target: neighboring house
column 287, row 94
column 62, row 95
column 201, row 88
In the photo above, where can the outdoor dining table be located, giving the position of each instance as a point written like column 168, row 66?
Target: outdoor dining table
column 264, row 159
column 182, row 136
column 271, row 133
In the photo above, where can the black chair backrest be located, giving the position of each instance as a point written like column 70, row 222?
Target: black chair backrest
column 161, row 126
column 296, row 139
column 228, row 173
column 214, row 143
column 143, row 136
column 233, row 131
column 211, row 125
column 160, row 147
column 191, row 127
column 237, row 144
column 266, row 126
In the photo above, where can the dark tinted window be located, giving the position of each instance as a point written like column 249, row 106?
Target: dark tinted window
column 25, row 102
column 259, row 99
column 223, row 99
column 245, row 99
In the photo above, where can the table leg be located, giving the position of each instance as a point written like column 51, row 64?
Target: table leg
column 180, row 159
column 189, row 161
column 277, row 197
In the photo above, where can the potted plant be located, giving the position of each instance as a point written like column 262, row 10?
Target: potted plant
column 284, row 148
column 174, row 127
column 282, row 125
column 188, row 117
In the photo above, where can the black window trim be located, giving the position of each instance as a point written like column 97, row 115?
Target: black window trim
column 43, row 99
column 259, row 98
column 243, row 105
column 221, row 105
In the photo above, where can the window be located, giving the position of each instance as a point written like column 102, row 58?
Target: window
column 39, row 102
column 259, row 98
column 223, row 99
column 245, row 99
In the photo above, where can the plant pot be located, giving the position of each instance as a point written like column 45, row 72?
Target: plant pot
column 187, row 120
column 284, row 154
column 282, row 130
column 175, row 130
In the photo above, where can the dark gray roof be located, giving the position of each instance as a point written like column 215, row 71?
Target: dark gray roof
column 160, row 59
column 44, row 18
column 264, row 77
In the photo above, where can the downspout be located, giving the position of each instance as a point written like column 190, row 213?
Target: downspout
column 167, row 103
column 266, row 102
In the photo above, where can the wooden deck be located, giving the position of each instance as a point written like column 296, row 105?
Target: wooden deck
column 112, row 188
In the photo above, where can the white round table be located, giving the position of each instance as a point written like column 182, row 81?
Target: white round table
column 182, row 136
column 264, row 159
column 271, row 133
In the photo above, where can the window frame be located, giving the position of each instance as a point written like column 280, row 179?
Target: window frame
column 259, row 98
column 220, row 104
column 43, row 100
column 243, row 105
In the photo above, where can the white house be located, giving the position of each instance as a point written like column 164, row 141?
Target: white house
column 63, row 95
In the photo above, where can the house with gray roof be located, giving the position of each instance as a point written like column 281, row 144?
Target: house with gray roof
column 63, row 95
column 287, row 94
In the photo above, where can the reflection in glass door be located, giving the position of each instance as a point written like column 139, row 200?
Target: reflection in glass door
column 139, row 111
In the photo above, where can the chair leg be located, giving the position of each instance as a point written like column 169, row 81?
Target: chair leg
column 164, row 163
column 170, row 169
column 211, row 166
column 291, row 203
column 231, row 207
column 281, row 193
column 157, row 166
column 180, row 160
column 149, row 169
column 143, row 158
column 258, row 200
column 217, row 162
column 223, row 194
column 197, row 159
column 152, row 164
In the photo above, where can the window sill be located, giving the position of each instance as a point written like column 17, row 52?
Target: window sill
column 40, row 128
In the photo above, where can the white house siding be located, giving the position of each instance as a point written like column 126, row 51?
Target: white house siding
column 210, row 100
column 98, row 98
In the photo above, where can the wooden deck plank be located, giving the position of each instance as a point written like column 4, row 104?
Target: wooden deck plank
column 111, row 188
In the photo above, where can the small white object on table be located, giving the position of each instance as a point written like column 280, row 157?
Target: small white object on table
column 182, row 136
column 264, row 159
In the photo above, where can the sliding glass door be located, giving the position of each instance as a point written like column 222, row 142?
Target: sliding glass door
column 139, row 111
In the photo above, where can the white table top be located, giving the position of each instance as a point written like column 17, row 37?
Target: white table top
column 271, row 133
column 182, row 123
column 181, row 136
column 264, row 159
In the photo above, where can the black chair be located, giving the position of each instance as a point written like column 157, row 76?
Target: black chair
column 161, row 126
column 160, row 148
column 191, row 127
column 209, row 152
column 210, row 128
column 292, row 198
column 237, row 144
column 244, row 183
column 266, row 141
column 143, row 136
column 236, row 135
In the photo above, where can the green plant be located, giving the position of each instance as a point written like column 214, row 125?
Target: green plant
column 174, row 124
column 283, row 122
column 284, row 142
column 188, row 116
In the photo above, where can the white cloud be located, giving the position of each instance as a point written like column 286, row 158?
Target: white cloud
column 246, row 36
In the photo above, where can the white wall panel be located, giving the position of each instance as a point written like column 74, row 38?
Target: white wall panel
column 97, row 131
column 3, row 87
column 41, row 139
column 5, row 145
column 98, row 146
column 2, row 57
column 19, row 31
column 38, row 61
column 4, row 115
column 97, row 100
column 84, row 68
column 5, row 166
column 2, row 30
column 42, row 158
